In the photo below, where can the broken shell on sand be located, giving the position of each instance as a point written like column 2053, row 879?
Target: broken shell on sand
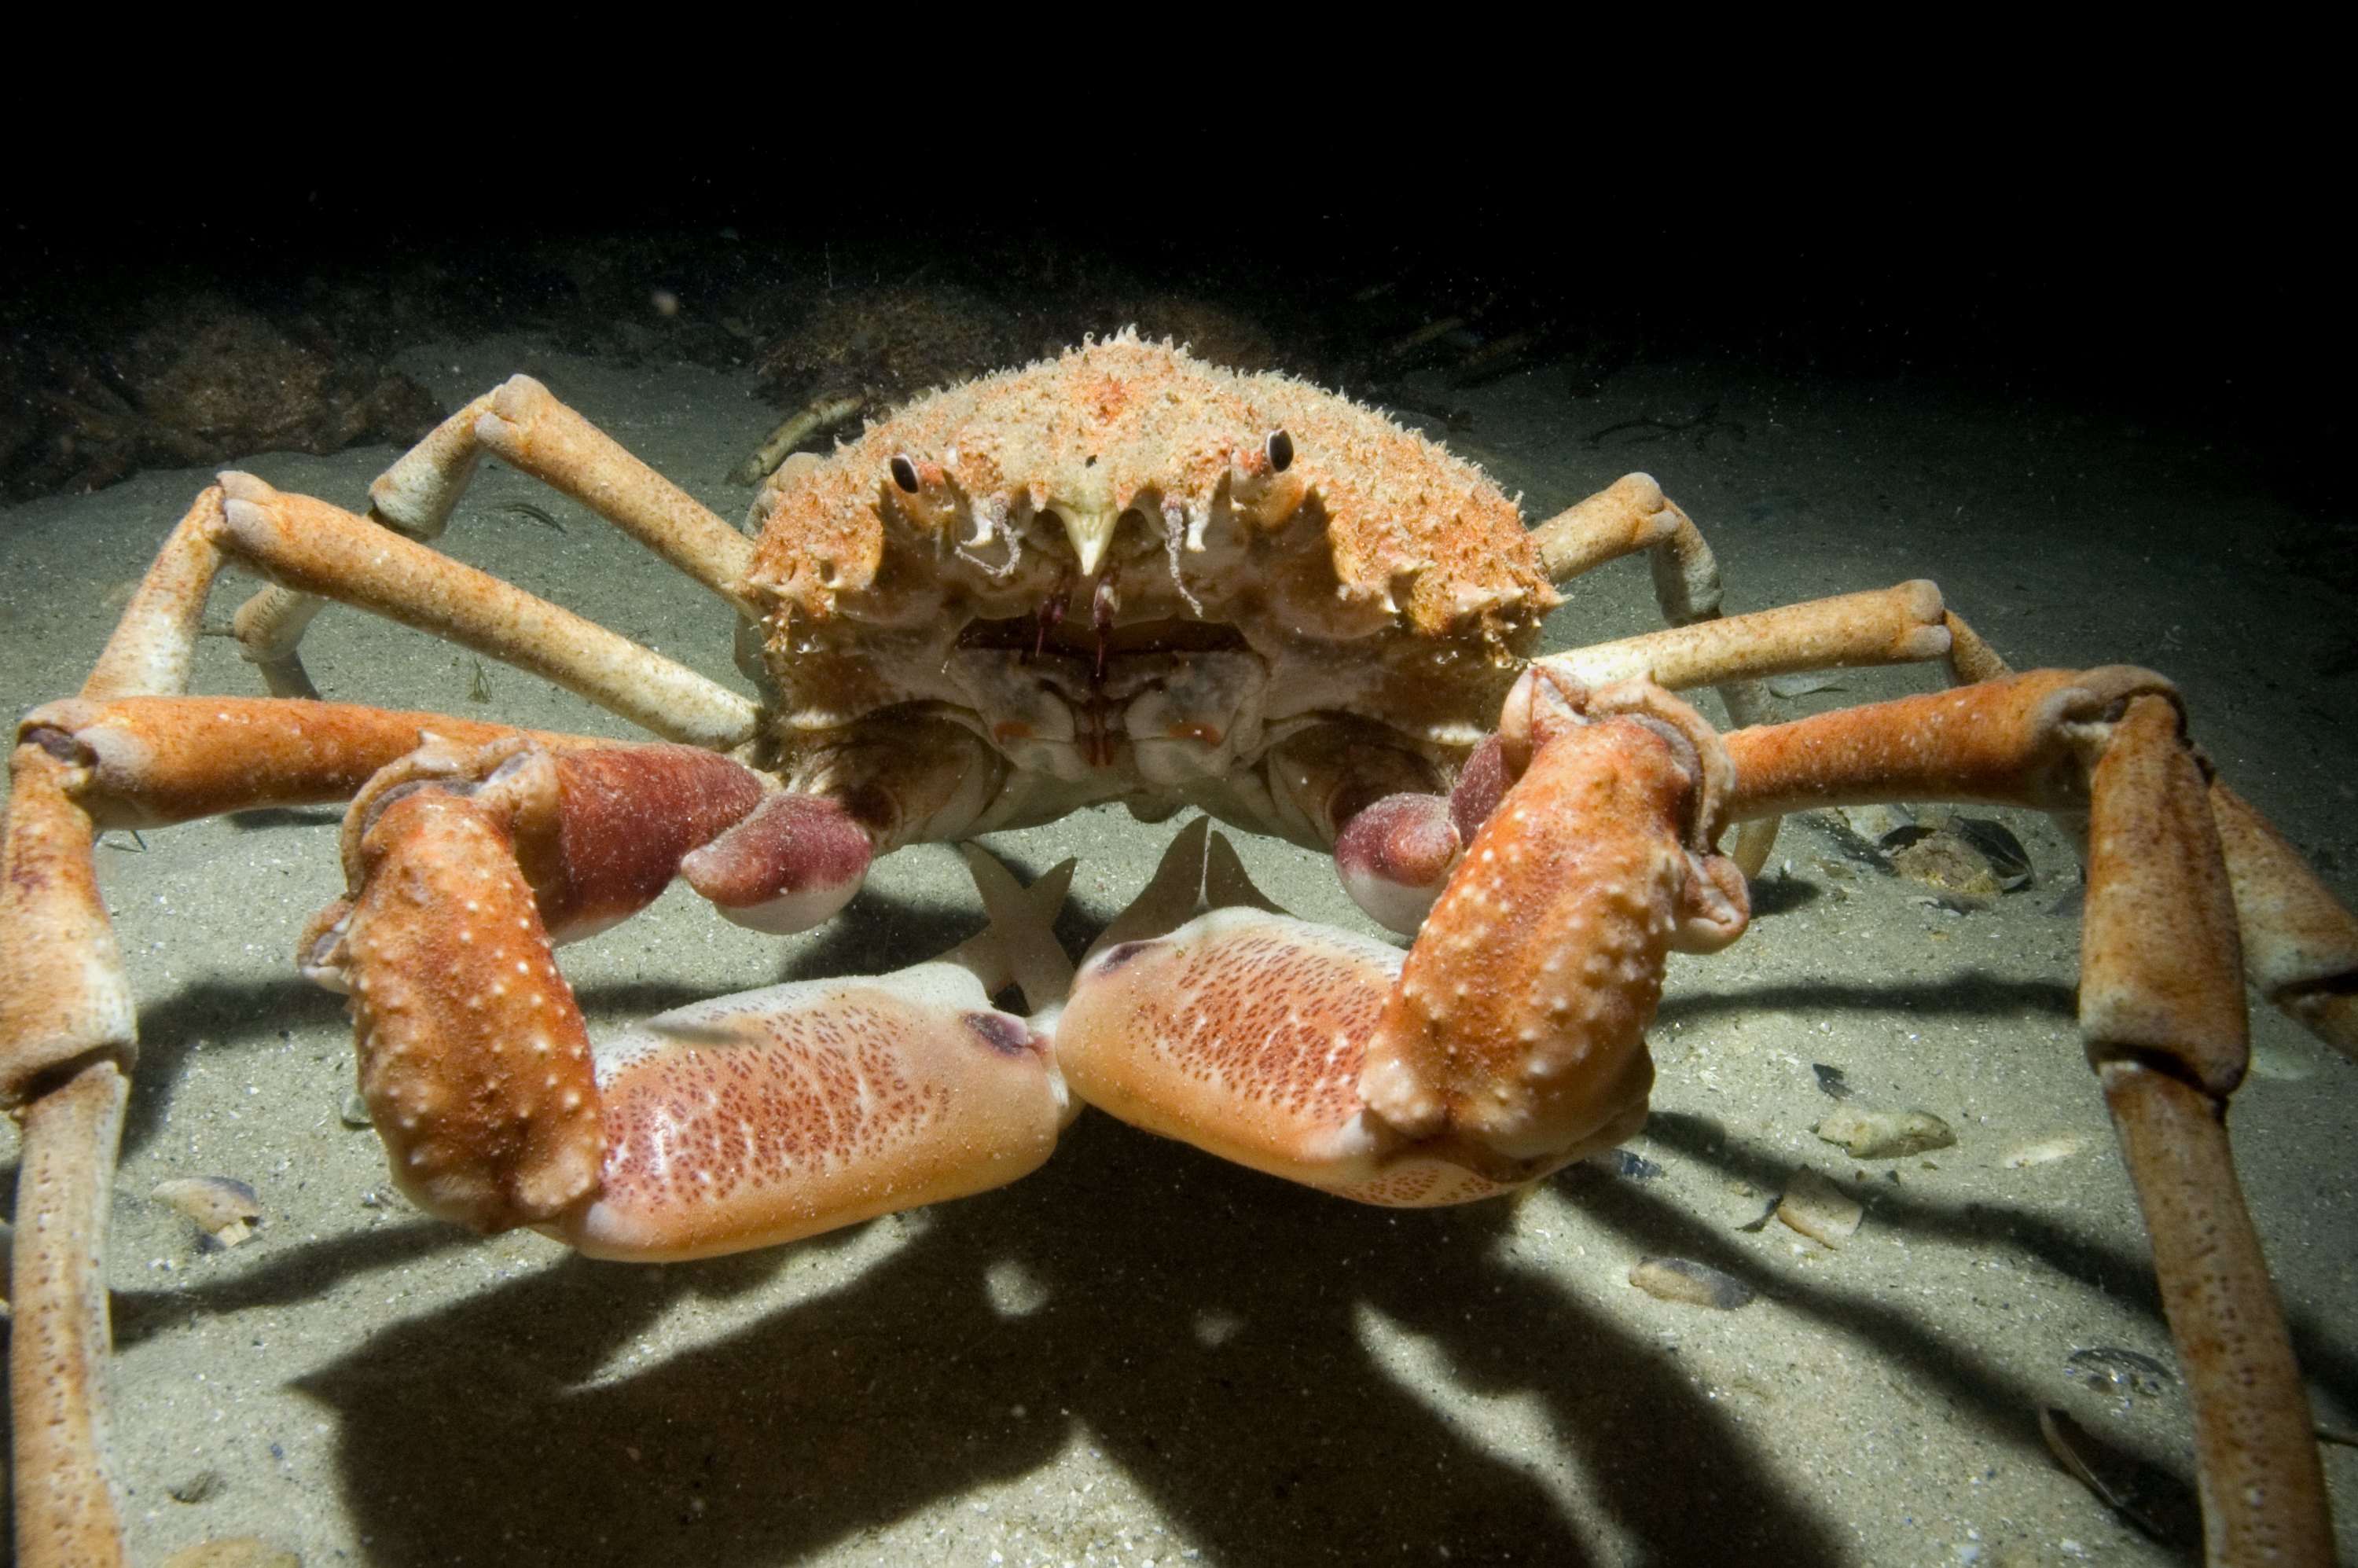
column 224, row 1209
column 1817, row 1208
column 1872, row 1134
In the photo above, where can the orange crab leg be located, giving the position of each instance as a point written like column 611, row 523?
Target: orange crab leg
column 2021, row 741
column 2027, row 740
column 1509, row 1041
column 154, row 760
column 2300, row 946
column 66, row 1041
column 2161, row 1009
column 319, row 549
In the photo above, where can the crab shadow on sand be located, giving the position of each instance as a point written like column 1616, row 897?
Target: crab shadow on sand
column 1200, row 1325
column 1207, row 1329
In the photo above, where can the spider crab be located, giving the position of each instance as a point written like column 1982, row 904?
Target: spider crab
column 1118, row 575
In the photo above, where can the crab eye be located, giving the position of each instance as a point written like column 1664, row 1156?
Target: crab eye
column 905, row 473
column 1281, row 451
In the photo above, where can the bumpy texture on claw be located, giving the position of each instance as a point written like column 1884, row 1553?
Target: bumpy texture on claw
column 1517, row 1034
column 466, row 864
column 1509, row 1041
column 473, row 1058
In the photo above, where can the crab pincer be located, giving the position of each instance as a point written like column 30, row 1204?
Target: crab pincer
column 1508, row 1041
column 733, row 1123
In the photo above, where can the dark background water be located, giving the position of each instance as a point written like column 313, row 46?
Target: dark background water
column 2204, row 308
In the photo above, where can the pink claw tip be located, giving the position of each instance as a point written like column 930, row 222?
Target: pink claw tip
column 1396, row 856
column 796, row 860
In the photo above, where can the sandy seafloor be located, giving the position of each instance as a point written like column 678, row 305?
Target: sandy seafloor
column 1143, row 1356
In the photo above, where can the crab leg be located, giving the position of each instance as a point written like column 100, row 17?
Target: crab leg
column 731, row 1124
column 1395, row 855
column 2011, row 742
column 2161, row 1008
column 156, row 641
column 310, row 545
column 523, row 425
column 154, row 760
column 2161, row 1012
column 1890, row 626
column 66, row 1041
column 2300, row 946
column 1508, row 1041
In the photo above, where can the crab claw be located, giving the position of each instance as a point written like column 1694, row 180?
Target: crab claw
column 1515, row 1036
column 1396, row 857
column 792, row 862
column 1508, row 1041
column 734, row 1123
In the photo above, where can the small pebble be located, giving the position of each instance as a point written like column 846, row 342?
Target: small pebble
column 1871, row 1134
column 1684, row 1280
column 1628, row 1166
column 1942, row 860
column 355, row 1111
column 2123, row 1371
column 1817, row 1208
column 198, row 1488
column 2046, row 1151
column 224, row 1209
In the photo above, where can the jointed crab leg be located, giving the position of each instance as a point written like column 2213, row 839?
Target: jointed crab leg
column 154, row 642
column 152, row 760
column 319, row 548
column 1889, row 626
column 1393, row 855
column 67, row 1041
column 1631, row 515
column 2161, row 1011
column 520, row 422
column 2300, row 946
column 2012, row 742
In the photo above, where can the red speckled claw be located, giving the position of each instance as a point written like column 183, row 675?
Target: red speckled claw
column 735, row 1123
column 1507, row 1042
